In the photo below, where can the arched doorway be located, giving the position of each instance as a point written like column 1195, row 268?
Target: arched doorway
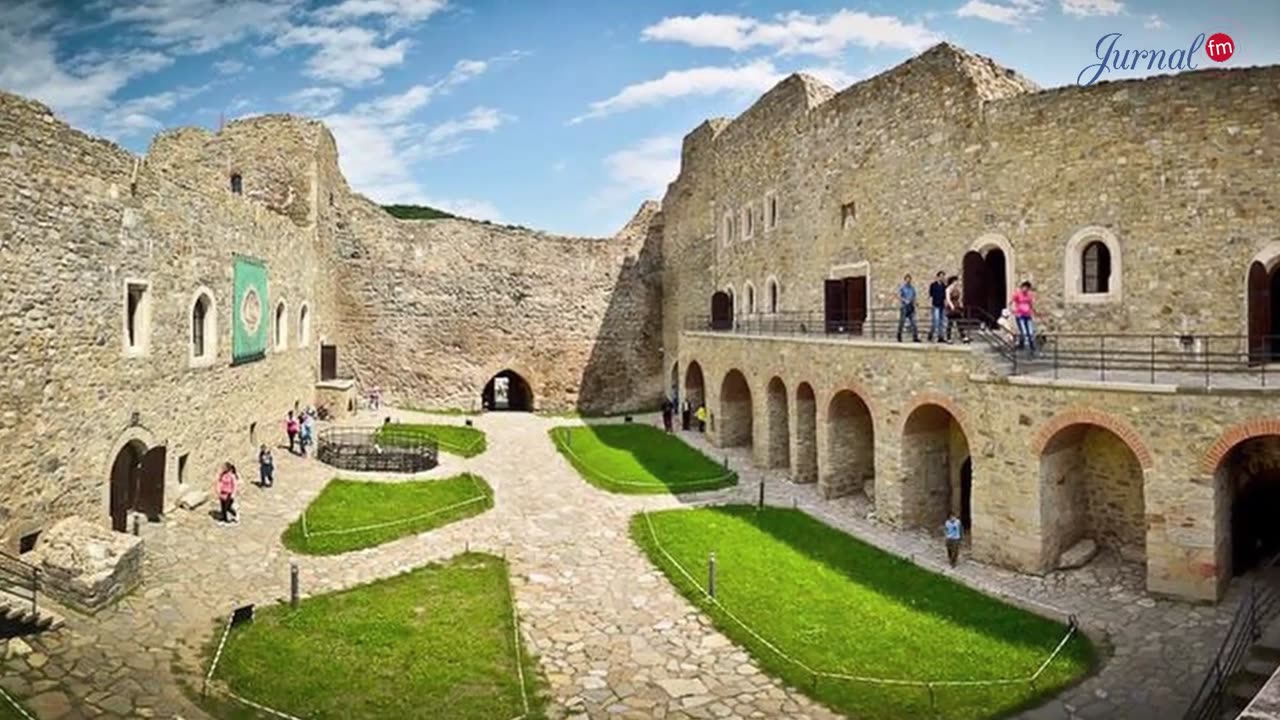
column 805, row 468
column 984, row 278
column 934, row 450
column 674, row 393
column 694, row 386
column 851, row 451
column 1091, row 488
column 1250, row 474
column 776, row 414
column 735, row 410
column 966, row 494
column 507, row 391
column 1264, row 312
column 721, row 311
column 137, row 483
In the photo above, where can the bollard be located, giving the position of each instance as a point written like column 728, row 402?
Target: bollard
column 468, row 422
column 711, row 575
column 760, row 504
column 793, row 502
column 293, row 585
column 137, row 525
column 726, row 462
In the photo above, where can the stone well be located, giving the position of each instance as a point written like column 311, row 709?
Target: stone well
column 86, row 566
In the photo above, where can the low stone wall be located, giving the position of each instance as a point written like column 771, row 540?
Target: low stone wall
column 85, row 566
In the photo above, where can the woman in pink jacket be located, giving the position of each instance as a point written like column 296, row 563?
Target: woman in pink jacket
column 1023, row 305
column 226, row 489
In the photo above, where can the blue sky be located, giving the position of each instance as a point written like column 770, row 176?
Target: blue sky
column 554, row 114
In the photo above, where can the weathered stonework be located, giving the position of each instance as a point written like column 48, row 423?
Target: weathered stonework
column 86, row 566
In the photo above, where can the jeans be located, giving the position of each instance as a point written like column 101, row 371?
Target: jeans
column 907, row 316
column 1027, row 334
column 227, row 512
column 953, row 551
column 267, row 475
column 937, row 323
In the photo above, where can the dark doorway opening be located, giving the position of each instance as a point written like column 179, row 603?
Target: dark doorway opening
column 845, row 304
column 1253, row 478
column 986, row 290
column 507, row 391
column 721, row 311
column 1264, row 313
column 328, row 362
column 966, row 494
column 137, row 483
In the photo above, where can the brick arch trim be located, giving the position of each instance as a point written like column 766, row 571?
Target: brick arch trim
column 931, row 398
column 1232, row 437
column 1089, row 416
column 857, row 388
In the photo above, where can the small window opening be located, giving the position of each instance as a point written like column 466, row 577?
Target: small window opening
column 27, row 543
column 135, row 320
column 773, row 212
column 848, row 214
column 1097, row 268
column 253, row 434
column 182, row 468
column 773, row 297
column 199, row 316
column 237, row 184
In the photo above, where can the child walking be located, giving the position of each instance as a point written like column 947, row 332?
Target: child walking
column 227, row 482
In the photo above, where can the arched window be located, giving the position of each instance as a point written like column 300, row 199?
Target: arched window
column 237, row 184
column 204, row 334
column 728, row 228
column 281, row 327
column 773, row 295
column 1097, row 268
column 304, row 325
column 751, row 299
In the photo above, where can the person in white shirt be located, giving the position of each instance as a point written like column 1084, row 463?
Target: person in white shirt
column 953, row 532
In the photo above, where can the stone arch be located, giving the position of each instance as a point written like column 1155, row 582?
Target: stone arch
column 777, row 432
column 507, row 390
column 734, row 424
column 1073, row 266
column 1233, row 436
column 202, row 346
column 934, row 460
column 749, row 298
column 1090, row 416
column 490, row 371
column 804, row 456
column 1261, row 316
column 1246, row 481
column 280, row 326
column 1091, row 489
column 931, row 398
column 984, row 287
column 773, row 295
column 695, row 386
column 848, row 463
column 136, row 436
column 304, row 324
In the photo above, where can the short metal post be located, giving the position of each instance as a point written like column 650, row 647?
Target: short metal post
column 1206, row 361
column 1055, row 358
column 1153, row 359
column 293, row 585
column 1102, row 357
column 760, row 504
column 35, row 589
column 711, row 575
column 726, row 462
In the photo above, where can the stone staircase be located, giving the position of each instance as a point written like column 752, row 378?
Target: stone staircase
column 18, row 617
column 1260, row 663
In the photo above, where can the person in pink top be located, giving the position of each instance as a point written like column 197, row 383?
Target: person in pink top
column 291, row 428
column 226, row 489
column 1023, row 305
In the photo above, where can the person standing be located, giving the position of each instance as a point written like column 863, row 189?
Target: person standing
column 226, row 489
column 266, row 467
column 907, row 308
column 667, row 411
column 306, row 432
column 701, row 414
column 937, row 308
column 291, row 429
column 955, row 310
column 953, row 531
column 1023, row 304
column 686, row 414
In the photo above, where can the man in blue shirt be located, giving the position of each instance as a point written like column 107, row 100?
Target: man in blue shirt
column 907, row 309
column 953, row 532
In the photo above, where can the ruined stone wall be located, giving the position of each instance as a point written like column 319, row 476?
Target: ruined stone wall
column 948, row 152
column 1006, row 424
column 80, row 216
column 433, row 309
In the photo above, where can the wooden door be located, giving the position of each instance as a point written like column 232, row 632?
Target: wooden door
column 721, row 311
column 993, row 276
column 855, row 289
column 835, row 306
column 150, row 496
column 123, row 473
column 1259, row 313
column 975, row 289
column 328, row 362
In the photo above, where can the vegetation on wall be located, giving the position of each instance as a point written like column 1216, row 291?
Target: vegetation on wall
column 417, row 212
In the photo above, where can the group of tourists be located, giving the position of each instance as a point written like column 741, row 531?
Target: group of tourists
column 946, row 310
column 299, row 428
column 687, row 415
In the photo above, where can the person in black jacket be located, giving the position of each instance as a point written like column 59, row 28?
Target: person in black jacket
column 938, row 308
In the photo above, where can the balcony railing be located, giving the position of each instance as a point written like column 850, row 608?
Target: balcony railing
column 21, row 582
column 1221, row 361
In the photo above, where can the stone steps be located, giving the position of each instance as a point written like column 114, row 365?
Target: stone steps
column 17, row 611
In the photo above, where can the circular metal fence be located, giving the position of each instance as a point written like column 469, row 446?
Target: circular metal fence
column 377, row 449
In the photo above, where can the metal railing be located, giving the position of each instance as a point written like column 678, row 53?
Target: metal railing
column 377, row 449
column 1177, row 359
column 20, row 581
column 1246, row 627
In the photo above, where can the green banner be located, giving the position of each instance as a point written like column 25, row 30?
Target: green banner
column 249, row 311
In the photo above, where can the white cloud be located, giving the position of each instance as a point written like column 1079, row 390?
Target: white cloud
column 638, row 172
column 403, row 11
column 795, row 33
column 313, row 100
column 449, row 136
column 1154, row 22
column 137, row 115
column 199, row 26
column 229, row 67
column 1005, row 12
column 833, row 75
column 1092, row 8
column 350, row 56
column 756, row 77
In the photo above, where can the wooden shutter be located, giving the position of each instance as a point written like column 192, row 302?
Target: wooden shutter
column 975, row 290
column 835, row 306
column 150, row 498
column 1259, row 312
column 721, row 311
column 856, row 299
column 328, row 362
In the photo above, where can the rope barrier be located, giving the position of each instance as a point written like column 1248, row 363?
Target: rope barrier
column 515, row 634
column 924, row 684
column 391, row 523
column 587, row 467
column 14, row 703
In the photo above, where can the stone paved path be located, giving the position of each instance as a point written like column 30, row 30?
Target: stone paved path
column 613, row 638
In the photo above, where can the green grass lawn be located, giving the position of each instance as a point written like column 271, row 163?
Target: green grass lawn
column 628, row 458
column 453, row 439
column 842, row 606
column 8, row 712
column 439, row 410
column 412, row 506
column 438, row 641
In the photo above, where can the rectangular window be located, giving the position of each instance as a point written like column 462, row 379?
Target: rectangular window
column 27, row 543
column 749, row 214
column 182, row 468
column 772, row 212
column 137, row 310
column 848, row 214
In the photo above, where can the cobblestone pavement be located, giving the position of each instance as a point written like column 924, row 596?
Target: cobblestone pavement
column 613, row 638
